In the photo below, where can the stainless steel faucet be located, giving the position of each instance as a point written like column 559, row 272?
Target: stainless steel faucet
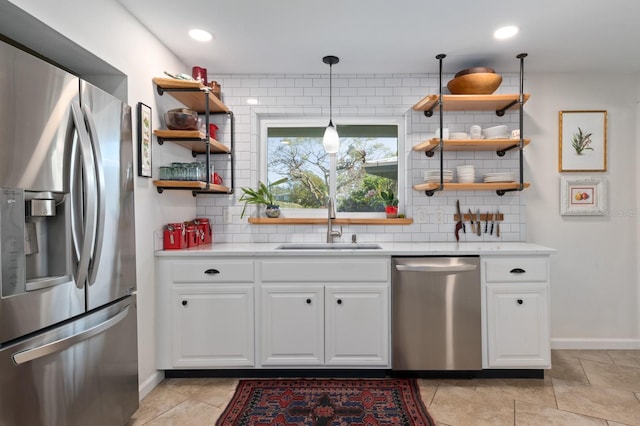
column 332, row 215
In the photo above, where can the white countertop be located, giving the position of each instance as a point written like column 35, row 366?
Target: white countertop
column 388, row 249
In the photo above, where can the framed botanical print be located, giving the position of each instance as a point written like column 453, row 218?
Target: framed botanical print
column 144, row 140
column 583, row 141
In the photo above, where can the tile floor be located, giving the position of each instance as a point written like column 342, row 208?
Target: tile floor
column 584, row 388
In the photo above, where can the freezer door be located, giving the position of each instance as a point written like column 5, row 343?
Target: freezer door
column 82, row 373
column 112, row 266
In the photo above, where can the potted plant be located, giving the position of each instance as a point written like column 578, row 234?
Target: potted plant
column 262, row 195
column 390, row 203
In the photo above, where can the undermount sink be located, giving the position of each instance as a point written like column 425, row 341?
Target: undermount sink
column 328, row 246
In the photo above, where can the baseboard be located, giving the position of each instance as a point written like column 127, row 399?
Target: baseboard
column 149, row 384
column 594, row 343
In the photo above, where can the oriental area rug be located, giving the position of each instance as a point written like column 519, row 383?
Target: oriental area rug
column 326, row 402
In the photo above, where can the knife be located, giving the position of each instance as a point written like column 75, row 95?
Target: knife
column 493, row 222
column 459, row 224
column 479, row 223
column 473, row 226
column 497, row 224
column 486, row 223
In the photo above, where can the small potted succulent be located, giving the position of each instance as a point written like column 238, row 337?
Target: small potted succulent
column 390, row 203
column 262, row 195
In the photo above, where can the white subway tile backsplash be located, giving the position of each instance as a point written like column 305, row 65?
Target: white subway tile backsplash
column 367, row 96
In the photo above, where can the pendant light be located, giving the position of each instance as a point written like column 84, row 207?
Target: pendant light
column 331, row 140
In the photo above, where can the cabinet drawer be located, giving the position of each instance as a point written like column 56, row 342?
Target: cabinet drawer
column 226, row 271
column 517, row 269
column 325, row 270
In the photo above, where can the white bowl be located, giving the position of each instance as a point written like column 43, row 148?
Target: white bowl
column 465, row 169
column 495, row 132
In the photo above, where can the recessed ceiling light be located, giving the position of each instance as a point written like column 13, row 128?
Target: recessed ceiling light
column 506, row 32
column 252, row 101
column 200, row 35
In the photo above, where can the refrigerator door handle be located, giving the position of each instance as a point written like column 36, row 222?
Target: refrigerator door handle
column 89, row 185
column 66, row 342
column 74, row 182
column 100, row 184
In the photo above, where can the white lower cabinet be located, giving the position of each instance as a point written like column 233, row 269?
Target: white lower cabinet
column 213, row 326
column 328, row 311
column 273, row 312
column 205, row 313
column 292, row 326
column 325, row 312
column 517, row 313
column 315, row 325
column 357, row 326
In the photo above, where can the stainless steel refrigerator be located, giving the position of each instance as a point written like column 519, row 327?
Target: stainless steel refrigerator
column 68, row 338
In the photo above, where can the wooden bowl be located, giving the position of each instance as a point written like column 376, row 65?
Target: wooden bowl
column 480, row 83
column 474, row 70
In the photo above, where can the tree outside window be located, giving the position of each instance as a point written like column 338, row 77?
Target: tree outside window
column 366, row 165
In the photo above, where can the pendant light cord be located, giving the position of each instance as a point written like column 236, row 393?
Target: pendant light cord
column 331, row 61
column 330, row 95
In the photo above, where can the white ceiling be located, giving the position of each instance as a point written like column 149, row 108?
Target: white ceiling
column 396, row 36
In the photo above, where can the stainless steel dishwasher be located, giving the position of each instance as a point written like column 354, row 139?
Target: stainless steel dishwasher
column 436, row 313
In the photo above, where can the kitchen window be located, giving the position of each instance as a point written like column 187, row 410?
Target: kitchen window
column 366, row 164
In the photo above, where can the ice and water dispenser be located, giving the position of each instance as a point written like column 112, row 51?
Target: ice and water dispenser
column 34, row 243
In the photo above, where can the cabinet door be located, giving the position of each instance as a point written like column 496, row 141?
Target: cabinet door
column 292, row 326
column 357, row 326
column 213, row 326
column 518, row 326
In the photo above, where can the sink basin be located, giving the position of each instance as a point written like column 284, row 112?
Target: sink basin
column 328, row 246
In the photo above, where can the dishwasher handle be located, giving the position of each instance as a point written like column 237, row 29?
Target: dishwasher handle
column 430, row 267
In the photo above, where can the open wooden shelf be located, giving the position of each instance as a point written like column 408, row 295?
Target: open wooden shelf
column 195, row 140
column 470, row 102
column 320, row 221
column 469, row 144
column 196, row 186
column 192, row 99
column 452, row 186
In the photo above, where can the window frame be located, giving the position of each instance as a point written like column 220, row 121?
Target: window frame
column 267, row 122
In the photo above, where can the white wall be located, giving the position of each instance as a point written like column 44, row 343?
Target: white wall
column 107, row 30
column 594, row 292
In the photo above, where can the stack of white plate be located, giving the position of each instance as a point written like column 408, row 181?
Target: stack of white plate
column 466, row 173
column 500, row 177
column 434, row 175
column 458, row 135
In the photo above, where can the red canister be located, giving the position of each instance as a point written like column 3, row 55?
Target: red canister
column 200, row 74
column 213, row 129
column 192, row 236
column 204, row 227
column 174, row 237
